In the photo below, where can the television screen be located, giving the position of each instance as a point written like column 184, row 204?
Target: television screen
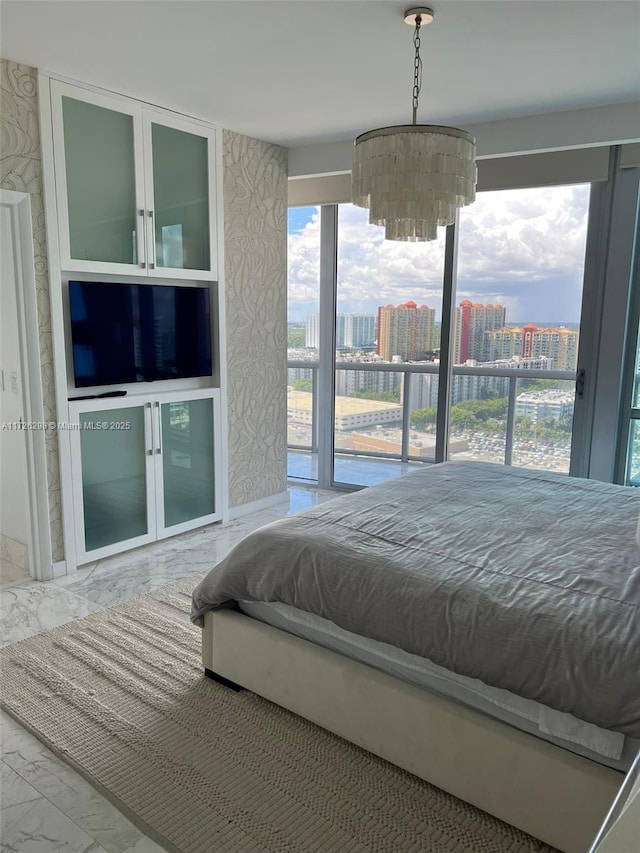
column 138, row 332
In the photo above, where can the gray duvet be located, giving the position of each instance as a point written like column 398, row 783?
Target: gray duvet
column 529, row 581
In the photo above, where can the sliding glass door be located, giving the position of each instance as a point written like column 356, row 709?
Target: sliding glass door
column 516, row 326
column 632, row 473
column 629, row 451
column 627, row 461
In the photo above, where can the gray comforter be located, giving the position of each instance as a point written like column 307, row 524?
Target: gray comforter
column 527, row 580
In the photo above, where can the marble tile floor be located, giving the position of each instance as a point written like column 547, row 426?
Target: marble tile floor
column 46, row 807
column 349, row 470
column 11, row 573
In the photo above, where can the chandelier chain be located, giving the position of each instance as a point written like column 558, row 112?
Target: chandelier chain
column 417, row 69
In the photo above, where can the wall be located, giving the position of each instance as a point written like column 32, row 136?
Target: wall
column 255, row 235
column 14, row 515
column 563, row 130
column 21, row 170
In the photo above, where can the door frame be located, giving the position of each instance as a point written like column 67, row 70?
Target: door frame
column 607, row 351
column 39, row 544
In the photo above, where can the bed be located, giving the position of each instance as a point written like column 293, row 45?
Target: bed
column 474, row 624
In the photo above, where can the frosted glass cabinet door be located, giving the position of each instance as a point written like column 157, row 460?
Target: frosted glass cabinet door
column 114, row 454
column 188, row 471
column 181, row 205
column 99, row 158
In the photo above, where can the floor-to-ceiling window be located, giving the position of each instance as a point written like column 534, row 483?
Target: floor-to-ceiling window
column 303, row 339
column 517, row 271
column 388, row 312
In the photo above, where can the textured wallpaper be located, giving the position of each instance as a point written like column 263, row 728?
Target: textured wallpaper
column 21, row 170
column 255, row 247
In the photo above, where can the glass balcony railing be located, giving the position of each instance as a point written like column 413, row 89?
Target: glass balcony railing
column 513, row 416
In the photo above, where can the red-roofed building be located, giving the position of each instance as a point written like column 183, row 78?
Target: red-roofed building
column 406, row 331
column 559, row 345
column 471, row 323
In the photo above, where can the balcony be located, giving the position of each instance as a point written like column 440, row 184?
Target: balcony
column 495, row 417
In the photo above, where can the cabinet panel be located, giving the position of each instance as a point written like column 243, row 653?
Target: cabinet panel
column 99, row 181
column 188, row 464
column 113, row 478
column 144, row 469
column 180, row 198
column 100, row 168
column 135, row 187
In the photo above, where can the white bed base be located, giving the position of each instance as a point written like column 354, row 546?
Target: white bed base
column 555, row 795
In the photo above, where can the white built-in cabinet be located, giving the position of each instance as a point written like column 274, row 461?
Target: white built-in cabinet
column 143, row 468
column 132, row 193
column 135, row 187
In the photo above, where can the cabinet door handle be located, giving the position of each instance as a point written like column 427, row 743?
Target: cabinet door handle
column 148, row 424
column 152, row 239
column 141, row 240
column 158, row 428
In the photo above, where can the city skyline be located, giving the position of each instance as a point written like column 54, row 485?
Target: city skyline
column 347, row 323
column 523, row 249
column 481, row 334
column 300, row 324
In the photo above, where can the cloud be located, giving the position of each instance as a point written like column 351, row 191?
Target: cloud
column 522, row 248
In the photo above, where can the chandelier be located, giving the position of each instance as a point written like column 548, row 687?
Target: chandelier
column 413, row 177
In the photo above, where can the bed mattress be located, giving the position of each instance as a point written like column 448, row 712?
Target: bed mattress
column 527, row 581
column 612, row 749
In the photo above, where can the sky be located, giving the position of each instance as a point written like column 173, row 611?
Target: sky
column 523, row 249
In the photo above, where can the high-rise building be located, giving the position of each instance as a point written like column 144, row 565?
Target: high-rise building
column 352, row 330
column 424, row 387
column 424, row 391
column 504, row 343
column 312, row 334
column 471, row 323
column 465, row 387
column 559, row 345
column 406, row 331
column 349, row 381
column 359, row 330
column 552, row 403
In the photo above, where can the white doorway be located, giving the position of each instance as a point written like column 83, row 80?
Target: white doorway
column 25, row 543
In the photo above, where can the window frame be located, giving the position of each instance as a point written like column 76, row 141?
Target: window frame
column 602, row 413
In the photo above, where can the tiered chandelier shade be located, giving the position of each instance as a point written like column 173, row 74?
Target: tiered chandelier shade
column 413, row 178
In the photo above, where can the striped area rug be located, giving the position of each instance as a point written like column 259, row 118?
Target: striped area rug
column 120, row 696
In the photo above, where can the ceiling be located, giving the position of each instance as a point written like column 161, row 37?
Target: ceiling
column 297, row 72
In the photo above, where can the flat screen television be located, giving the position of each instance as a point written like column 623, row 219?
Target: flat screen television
column 123, row 333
